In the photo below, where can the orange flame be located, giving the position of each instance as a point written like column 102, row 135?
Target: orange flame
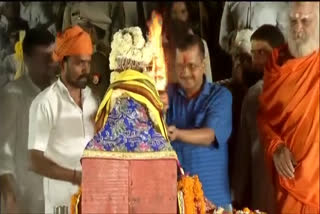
column 159, row 70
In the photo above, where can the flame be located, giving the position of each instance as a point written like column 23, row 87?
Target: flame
column 159, row 71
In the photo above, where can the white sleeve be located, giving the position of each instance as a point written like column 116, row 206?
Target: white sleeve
column 226, row 27
column 39, row 126
column 207, row 62
column 8, row 114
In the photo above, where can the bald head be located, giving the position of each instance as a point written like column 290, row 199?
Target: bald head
column 303, row 35
column 310, row 4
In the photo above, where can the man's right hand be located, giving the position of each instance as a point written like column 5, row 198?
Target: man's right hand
column 284, row 161
column 47, row 168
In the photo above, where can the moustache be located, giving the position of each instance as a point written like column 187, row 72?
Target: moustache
column 299, row 37
column 85, row 76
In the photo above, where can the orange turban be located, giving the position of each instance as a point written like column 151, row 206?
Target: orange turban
column 73, row 41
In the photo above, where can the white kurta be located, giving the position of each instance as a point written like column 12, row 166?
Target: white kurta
column 60, row 129
column 16, row 99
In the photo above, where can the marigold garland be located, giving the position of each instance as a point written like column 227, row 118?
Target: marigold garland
column 199, row 196
column 193, row 196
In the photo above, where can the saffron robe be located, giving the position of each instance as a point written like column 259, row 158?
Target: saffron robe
column 289, row 114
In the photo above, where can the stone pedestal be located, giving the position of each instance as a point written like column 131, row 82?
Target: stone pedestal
column 129, row 186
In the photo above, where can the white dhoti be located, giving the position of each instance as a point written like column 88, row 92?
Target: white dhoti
column 57, row 193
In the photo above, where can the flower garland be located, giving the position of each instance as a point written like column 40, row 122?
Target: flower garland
column 194, row 202
column 199, row 196
column 129, row 43
column 245, row 210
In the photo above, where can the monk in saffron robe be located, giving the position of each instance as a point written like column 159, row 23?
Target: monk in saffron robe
column 289, row 113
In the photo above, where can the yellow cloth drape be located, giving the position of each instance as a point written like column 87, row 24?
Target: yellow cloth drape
column 135, row 78
column 75, row 201
column 19, row 55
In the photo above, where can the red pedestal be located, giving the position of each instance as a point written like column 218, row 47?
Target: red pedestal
column 129, row 186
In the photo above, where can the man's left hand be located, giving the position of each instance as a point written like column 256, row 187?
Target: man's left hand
column 172, row 132
column 165, row 100
column 284, row 162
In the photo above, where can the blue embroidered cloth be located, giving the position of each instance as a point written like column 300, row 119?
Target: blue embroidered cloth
column 128, row 129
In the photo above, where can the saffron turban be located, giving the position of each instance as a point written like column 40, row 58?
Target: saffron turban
column 73, row 41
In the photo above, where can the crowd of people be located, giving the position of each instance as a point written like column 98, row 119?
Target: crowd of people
column 253, row 138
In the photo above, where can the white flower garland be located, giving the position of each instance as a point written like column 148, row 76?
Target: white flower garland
column 129, row 43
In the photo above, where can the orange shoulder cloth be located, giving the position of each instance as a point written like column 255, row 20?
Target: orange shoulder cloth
column 289, row 113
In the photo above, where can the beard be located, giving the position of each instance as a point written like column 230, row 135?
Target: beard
column 304, row 45
column 81, row 82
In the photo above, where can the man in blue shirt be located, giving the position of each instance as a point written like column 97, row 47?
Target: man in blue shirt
column 199, row 122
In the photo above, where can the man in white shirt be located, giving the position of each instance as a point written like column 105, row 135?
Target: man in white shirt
column 249, row 14
column 253, row 187
column 61, row 120
column 21, row 188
